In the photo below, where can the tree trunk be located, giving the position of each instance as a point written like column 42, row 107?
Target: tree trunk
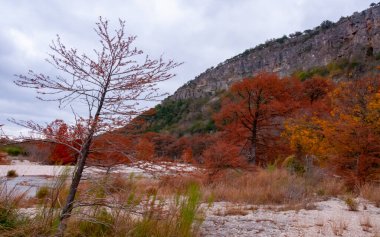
column 67, row 209
column 253, row 151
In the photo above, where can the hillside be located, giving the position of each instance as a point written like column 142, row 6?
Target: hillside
column 347, row 49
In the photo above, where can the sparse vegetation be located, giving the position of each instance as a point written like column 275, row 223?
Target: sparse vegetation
column 352, row 204
column 371, row 192
column 13, row 150
column 343, row 67
column 12, row 174
column 365, row 223
column 133, row 210
column 233, row 211
column 10, row 216
column 338, row 227
column 42, row 192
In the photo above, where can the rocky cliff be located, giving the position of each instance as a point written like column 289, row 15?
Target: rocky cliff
column 352, row 39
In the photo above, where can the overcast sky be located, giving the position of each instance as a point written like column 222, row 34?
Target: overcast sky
column 200, row 33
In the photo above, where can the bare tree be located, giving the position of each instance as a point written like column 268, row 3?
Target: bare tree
column 111, row 84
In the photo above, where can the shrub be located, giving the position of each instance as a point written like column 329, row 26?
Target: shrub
column 352, row 204
column 10, row 218
column 12, row 173
column 100, row 224
column 326, row 24
column 42, row 192
column 182, row 219
column 294, row 165
column 14, row 150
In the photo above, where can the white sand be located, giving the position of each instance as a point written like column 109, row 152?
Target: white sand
column 26, row 168
column 31, row 169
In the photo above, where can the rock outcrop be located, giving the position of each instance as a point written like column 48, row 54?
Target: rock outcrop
column 355, row 38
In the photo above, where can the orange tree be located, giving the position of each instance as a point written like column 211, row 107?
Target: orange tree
column 303, row 130
column 222, row 155
column 251, row 115
column 352, row 132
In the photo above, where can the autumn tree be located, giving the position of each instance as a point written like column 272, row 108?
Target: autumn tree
column 352, row 132
column 222, row 155
column 316, row 89
column 110, row 150
column 64, row 138
column 144, row 149
column 302, row 130
column 187, row 155
column 253, row 112
column 109, row 83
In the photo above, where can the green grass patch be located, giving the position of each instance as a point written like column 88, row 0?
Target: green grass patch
column 13, row 150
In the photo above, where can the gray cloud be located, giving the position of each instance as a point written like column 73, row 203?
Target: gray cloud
column 201, row 33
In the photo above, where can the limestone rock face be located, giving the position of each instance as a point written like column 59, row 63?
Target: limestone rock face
column 354, row 38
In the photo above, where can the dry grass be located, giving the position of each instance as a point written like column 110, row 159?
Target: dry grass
column 262, row 186
column 265, row 220
column 128, row 215
column 320, row 222
column 108, row 206
column 3, row 159
column 297, row 206
column 170, row 184
column 10, row 200
column 338, row 227
column 233, row 211
column 366, row 223
column 269, row 187
column 371, row 192
column 330, row 187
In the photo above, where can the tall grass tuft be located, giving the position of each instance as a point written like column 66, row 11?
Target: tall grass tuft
column 371, row 192
column 182, row 218
column 189, row 211
column 10, row 217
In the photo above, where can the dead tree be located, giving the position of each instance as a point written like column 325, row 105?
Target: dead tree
column 110, row 84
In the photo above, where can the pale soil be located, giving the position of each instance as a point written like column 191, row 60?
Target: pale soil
column 26, row 168
column 331, row 218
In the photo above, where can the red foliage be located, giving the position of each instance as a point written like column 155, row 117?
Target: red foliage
column 145, row 149
column 110, row 149
column 252, row 115
column 187, row 155
column 61, row 154
column 223, row 155
column 66, row 139
column 317, row 88
column 352, row 132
